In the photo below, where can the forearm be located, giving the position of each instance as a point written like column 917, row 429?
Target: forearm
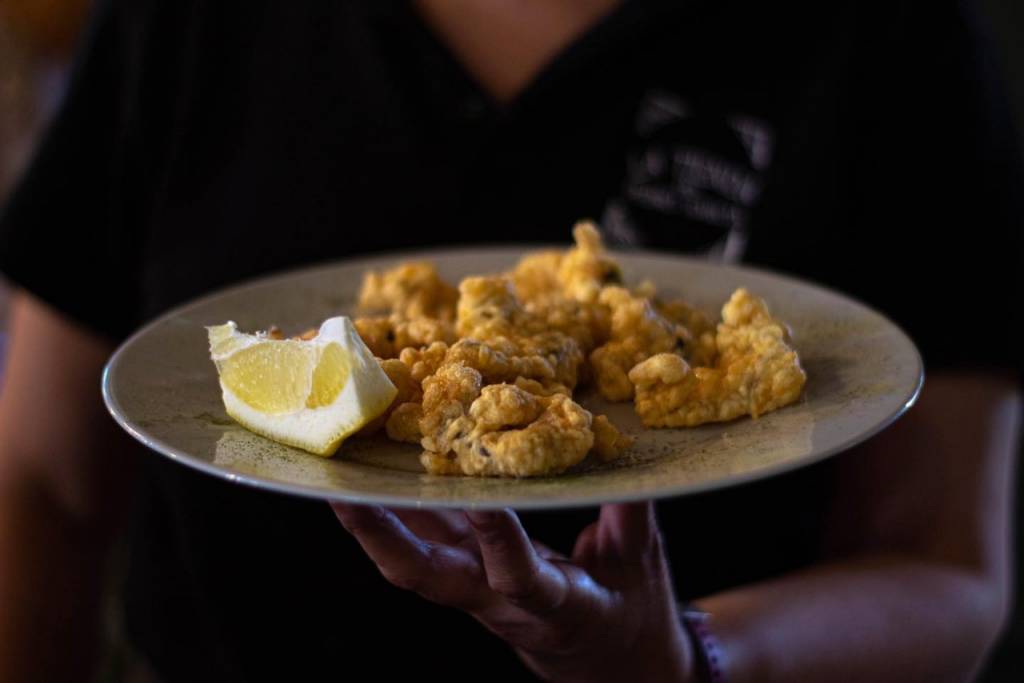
column 51, row 579
column 65, row 481
column 876, row 618
column 918, row 584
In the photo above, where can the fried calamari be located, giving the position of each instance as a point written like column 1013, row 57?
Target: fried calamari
column 637, row 333
column 499, row 429
column 486, row 372
column 562, row 288
column 499, row 331
column 756, row 371
column 410, row 290
column 387, row 336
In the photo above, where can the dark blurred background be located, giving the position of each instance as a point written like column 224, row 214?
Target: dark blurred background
column 37, row 40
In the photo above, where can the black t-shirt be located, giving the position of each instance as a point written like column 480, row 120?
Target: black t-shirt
column 859, row 144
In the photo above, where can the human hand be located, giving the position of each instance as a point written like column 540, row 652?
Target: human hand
column 607, row 613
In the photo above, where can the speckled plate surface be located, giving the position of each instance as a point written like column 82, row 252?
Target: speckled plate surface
column 863, row 373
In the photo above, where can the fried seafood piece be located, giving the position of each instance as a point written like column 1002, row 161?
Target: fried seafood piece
column 609, row 442
column 408, row 390
column 500, row 429
column 494, row 361
column 535, row 277
column 502, row 360
column 545, row 364
column 489, row 313
column 401, row 421
column 638, row 332
column 549, row 358
column 401, row 376
column 447, row 396
column 425, row 361
column 696, row 328
column 587, row 268
column 488, row 308
column 411, row 290
column 403, row 424
column 562, row 288
column 756, row 371
column 386, row 337
column 558, row 351
column 577, row 274
column 534, row 387
column 589, row 324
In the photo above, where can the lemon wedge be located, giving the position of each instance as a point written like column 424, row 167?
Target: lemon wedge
column 309, row 394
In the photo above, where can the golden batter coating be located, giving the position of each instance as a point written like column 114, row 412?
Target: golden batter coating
column 695, row 327
column 410, row 290
column 440, row 465
column 562, row 288
column 408, row 390
column 424, row 362
column 403, row 424
column 407, row 373
column 386, row 337
column 485, row 373
column 577, row 274
column 549, row 359
column 637, row 333
column 537, row 389
column 489, row 312
column 400, row 375
column 535, row 277
column 609, row 442
column 589, row 324
column 505, row 431
column 756, row 371
column 587, row 268
column 378, row 334
column 447, row 395
column 488, row 308
column 495, row 361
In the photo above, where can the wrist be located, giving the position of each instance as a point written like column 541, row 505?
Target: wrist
column 706, row 653
column 663, row 655
column 672, row 657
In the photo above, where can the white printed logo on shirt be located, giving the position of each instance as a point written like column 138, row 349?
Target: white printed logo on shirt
column 691, row 178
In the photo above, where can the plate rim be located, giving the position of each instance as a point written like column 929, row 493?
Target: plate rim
column 304, row 491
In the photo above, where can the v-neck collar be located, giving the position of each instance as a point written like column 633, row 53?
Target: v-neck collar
column 627, row 20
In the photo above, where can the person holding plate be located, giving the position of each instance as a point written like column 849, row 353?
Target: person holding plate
column 204, row 143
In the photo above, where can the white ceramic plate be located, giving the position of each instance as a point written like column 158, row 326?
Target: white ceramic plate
column 863, row 373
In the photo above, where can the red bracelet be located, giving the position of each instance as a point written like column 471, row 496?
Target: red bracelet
column 705, row 645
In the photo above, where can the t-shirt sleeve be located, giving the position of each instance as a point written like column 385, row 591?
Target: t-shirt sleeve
column 61, row 237
column 922, row 218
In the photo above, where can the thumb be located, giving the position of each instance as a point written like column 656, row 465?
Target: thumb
column 628, row 530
